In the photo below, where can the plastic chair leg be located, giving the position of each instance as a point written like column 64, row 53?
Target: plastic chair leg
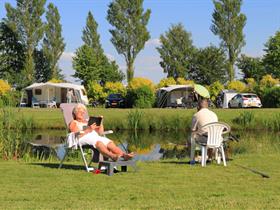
column 192, row 148
column 223, row 155
column 217, row 155
column 203, row 155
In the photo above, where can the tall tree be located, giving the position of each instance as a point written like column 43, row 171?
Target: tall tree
column 53, row 45
column 86, row 64
column 271, row 59
column 43, row 72
column 25, row 19
column 251, row 67
column 176, row 51
column 228, row 23
column 130, row 33
column 11, row 55
column 90, row 62
column 209, row 66
column 90, row 36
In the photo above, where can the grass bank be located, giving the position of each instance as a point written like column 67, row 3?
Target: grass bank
column 158, row 119
column 169, row 184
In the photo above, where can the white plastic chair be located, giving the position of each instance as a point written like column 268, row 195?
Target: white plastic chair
column 214, row 132
column 51, row 104
column 95, row 154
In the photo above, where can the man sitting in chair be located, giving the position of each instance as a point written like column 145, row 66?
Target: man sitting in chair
column 201, row 118
column 90, row 135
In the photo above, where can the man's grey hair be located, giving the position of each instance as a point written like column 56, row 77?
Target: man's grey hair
column 77, row 108
column 203, row 103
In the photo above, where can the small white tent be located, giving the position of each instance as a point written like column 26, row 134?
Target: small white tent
column 48, row 91
column 224, row 97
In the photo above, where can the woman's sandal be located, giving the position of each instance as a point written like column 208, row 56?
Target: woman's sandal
column 128, row 156
column 115, row 158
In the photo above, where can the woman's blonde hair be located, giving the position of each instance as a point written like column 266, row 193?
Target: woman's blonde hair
column 77, row 108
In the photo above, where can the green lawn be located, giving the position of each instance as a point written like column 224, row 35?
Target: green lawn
column 169, row 184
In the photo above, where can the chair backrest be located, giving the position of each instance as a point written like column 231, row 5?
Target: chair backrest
column 67, row 112
column 215, row 132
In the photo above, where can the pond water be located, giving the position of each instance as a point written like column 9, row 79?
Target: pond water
column 158, row 145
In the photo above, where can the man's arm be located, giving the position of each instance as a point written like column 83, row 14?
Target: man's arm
column 194, row 124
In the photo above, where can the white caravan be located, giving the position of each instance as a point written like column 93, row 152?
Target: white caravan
column 45, row 92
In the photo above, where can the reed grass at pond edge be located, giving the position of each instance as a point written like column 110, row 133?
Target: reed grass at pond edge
column 154, row 119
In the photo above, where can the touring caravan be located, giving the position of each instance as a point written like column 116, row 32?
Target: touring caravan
column 46, row 92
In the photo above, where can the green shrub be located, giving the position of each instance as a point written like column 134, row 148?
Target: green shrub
column 215, row 89
column 182, row 81
column 4, row 87
column 54, row 80
column 166, row 81
column 268, row 81
column 251, row 84
column 95, row 92
column 138, row 82
column 271, row 97
column 115, row 87
column 142, row 97
column 237, row 85
column 10, row 98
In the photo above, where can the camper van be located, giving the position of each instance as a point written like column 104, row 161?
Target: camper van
column 43, row 93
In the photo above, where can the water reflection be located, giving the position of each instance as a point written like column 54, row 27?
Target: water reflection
column 47, row 143
column 148, row 146
column 157, row 145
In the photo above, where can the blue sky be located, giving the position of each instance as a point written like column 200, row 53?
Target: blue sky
column 263, row 20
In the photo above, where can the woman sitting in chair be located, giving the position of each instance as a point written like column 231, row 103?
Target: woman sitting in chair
column 91, row 135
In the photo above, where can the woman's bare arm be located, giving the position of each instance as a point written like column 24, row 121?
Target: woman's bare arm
column 73, row 126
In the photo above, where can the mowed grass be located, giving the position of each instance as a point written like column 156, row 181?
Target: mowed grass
column 168, row 184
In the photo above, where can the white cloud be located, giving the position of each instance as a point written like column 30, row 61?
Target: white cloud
column 149, row 67
column 110, row 57
column 254, row 54
column 67, row 56
column 153, row 42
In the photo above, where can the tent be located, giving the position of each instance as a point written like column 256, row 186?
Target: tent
column 175, row 95
column 45, row 92
column 224, row 97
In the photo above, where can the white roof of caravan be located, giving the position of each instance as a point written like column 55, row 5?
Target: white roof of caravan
column 61, row 85
column 173, row 87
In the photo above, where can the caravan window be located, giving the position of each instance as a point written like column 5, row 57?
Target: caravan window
column 38, row 92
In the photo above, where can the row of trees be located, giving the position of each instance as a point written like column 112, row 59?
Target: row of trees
column 179, row 57
column 24, row 61
column 129, row 34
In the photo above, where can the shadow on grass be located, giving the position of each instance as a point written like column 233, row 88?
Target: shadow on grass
column 56, row 165
column 69, row 167
column 188, row 162
column 175, row 162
